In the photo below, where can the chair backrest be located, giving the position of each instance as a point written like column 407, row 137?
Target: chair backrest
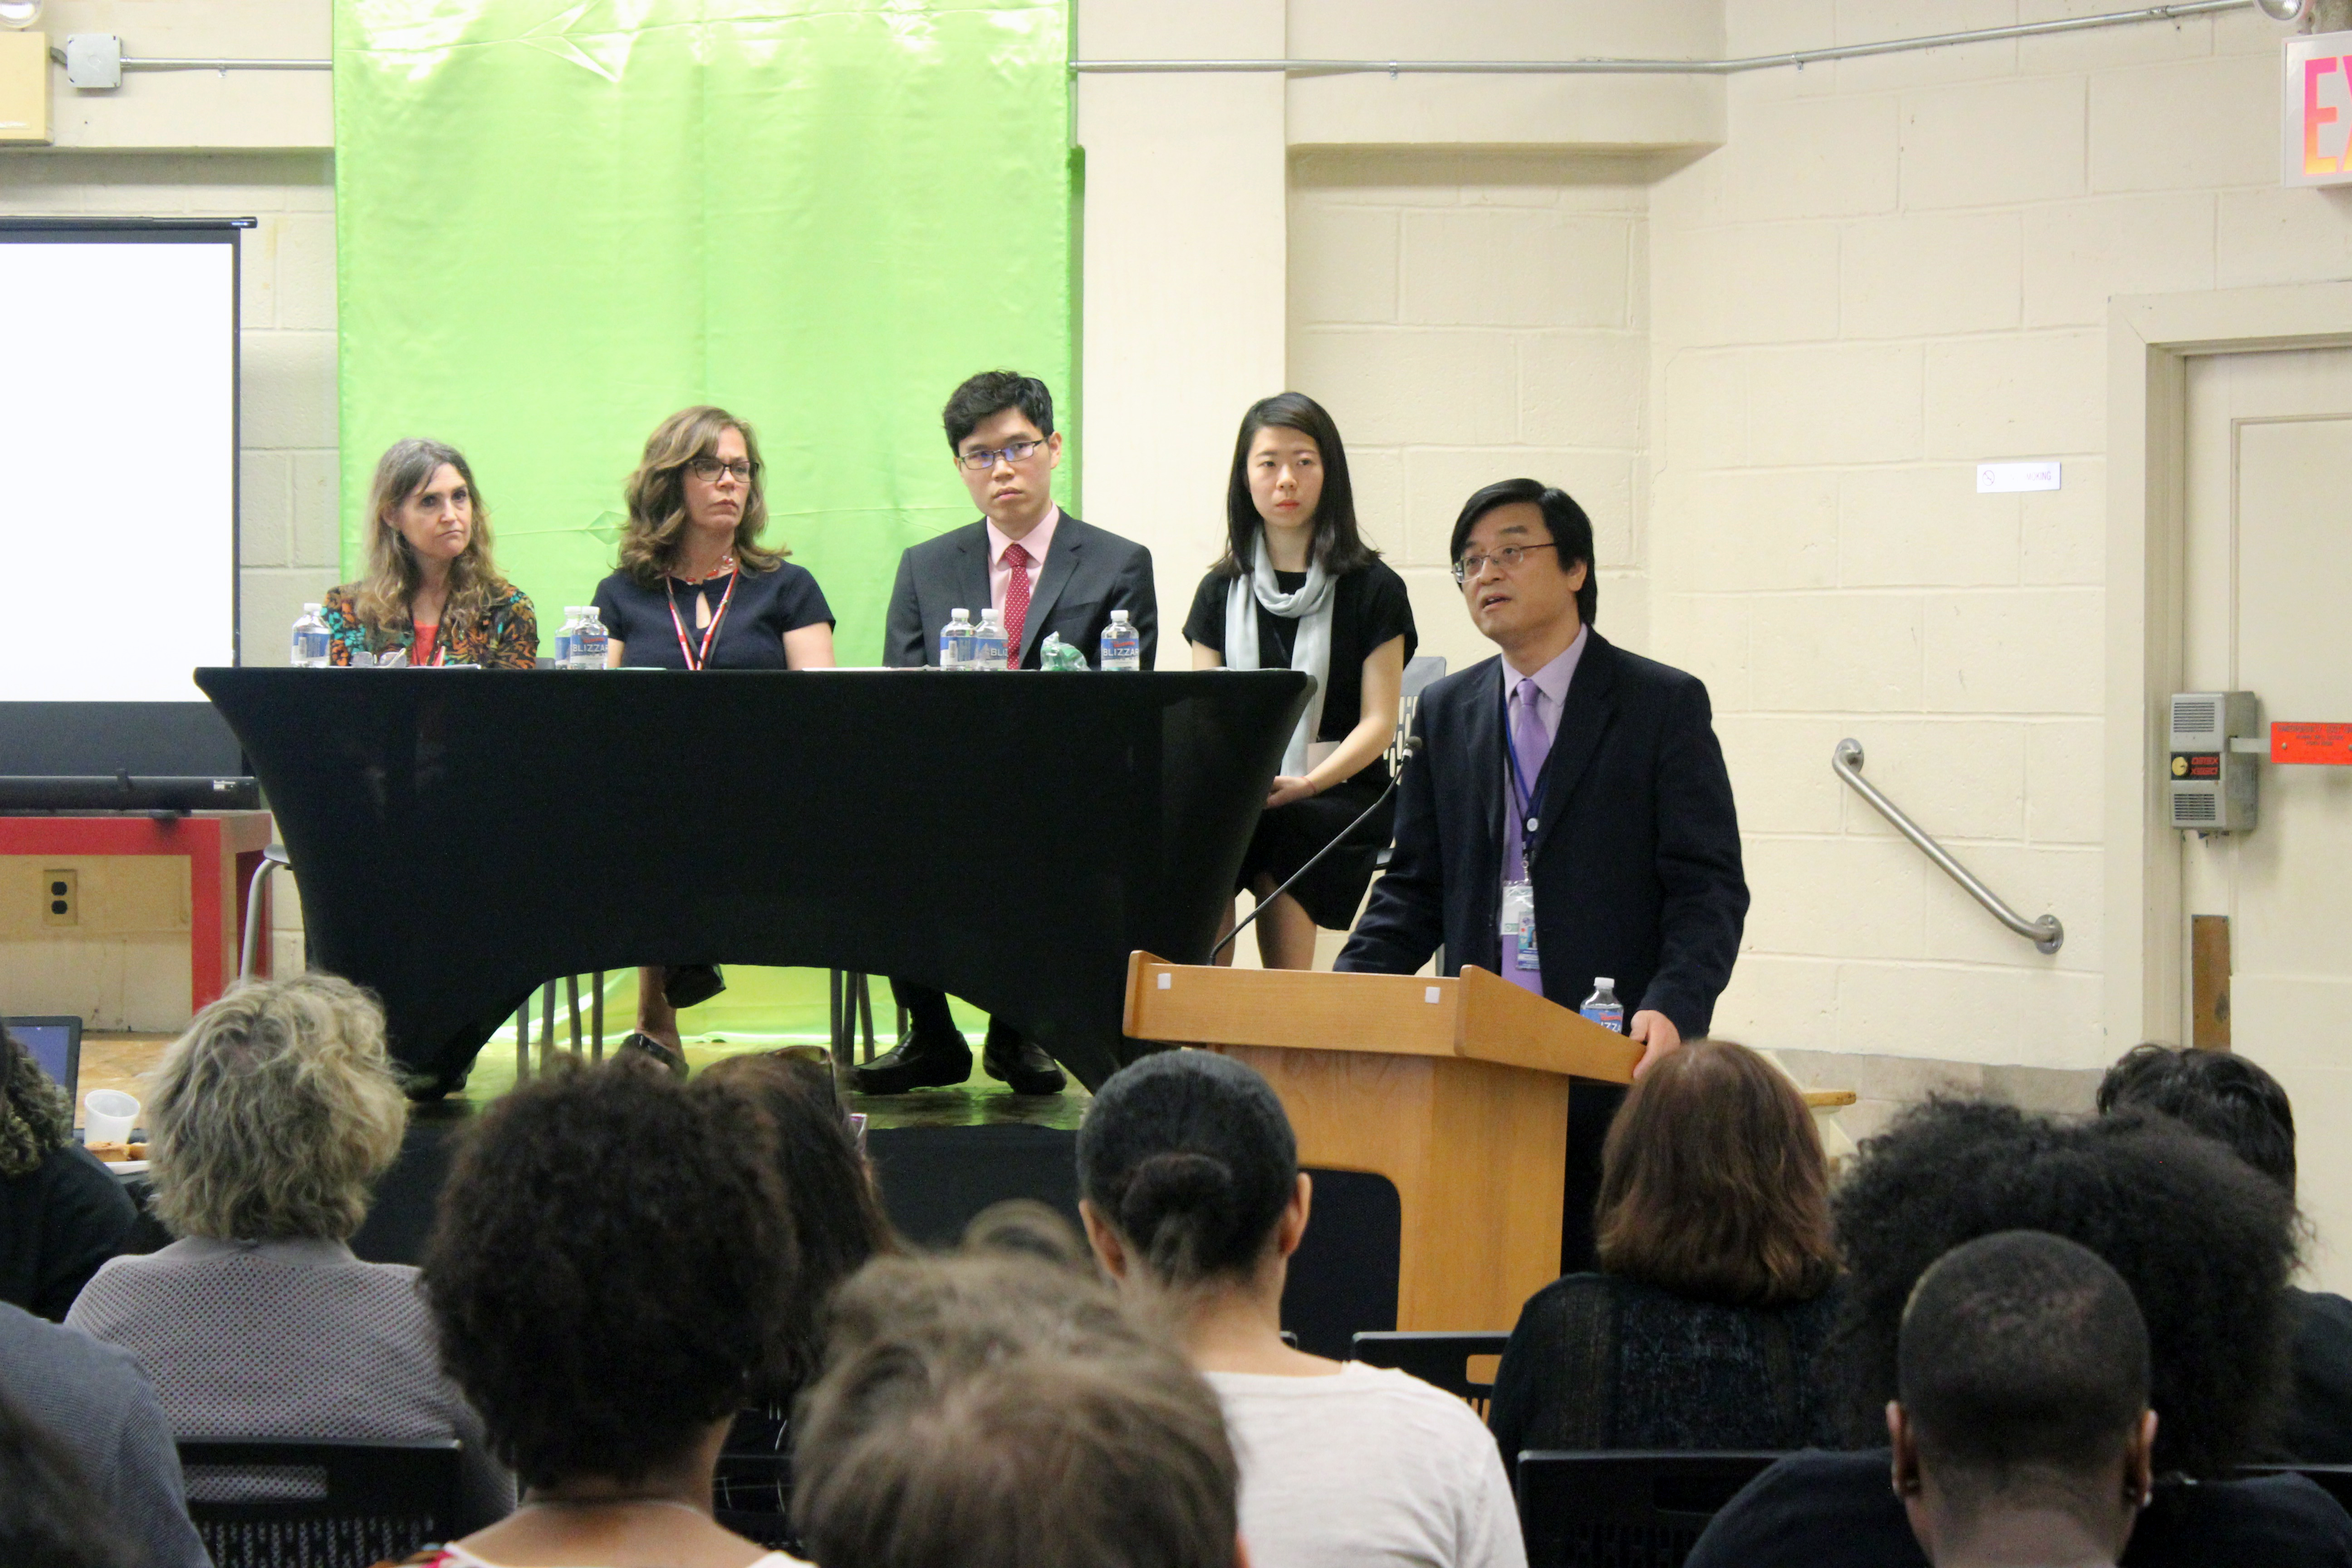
column 1625, row 1510
column 2337, row 1479
column 1421, row 671
column 1439, row 1358
column 308, row 1503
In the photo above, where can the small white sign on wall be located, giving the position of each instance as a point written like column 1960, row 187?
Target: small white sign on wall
column 2315, row 112
column 1997, row 478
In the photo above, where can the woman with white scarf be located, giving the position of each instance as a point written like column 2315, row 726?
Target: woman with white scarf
column 1297, row 588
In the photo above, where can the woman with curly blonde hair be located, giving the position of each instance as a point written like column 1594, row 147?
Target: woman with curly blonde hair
column 431, row 592
column 62, row 1213
column 697, row 590
column 269, row 1123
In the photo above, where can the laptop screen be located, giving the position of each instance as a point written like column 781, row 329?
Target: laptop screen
column 52, row 1045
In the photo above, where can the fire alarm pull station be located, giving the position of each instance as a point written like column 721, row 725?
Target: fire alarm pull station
column 2211, row 772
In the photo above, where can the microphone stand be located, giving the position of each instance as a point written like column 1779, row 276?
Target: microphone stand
column 1406, row 751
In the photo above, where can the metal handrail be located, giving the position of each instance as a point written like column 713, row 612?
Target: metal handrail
column 2047, row 933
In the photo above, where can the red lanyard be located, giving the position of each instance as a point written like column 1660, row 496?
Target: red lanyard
column 698, row 660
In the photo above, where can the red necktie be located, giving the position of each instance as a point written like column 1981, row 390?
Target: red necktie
column 1016, row 602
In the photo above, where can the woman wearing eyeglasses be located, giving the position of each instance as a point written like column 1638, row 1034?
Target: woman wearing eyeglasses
column 697, row 590
column 1297, row 588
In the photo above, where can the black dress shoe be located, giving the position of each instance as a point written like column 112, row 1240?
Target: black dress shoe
column 919, row 1062
column 1013, row 1061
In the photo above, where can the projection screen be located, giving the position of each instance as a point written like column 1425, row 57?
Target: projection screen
column 118, row 524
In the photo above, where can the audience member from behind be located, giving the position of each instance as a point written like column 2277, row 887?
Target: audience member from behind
column 2231, row 1099
column 998, row 1410
column 2021, row 1427
column 50, row 1515
column 1716, row 1289
column 790, row 1110
column 268, row 1122
column 62, row 1213
column 610, row 1275
column 2205, row 1244
column 431, row 592
column 82, row 1439
column 1193, row 1200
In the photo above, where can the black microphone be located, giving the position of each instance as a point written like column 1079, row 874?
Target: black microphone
column 1407, row 749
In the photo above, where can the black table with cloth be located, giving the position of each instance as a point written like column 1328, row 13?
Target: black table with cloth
column 462, row 836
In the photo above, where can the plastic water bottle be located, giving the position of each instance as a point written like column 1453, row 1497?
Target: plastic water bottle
column 1121, row 647
column 310, row 646
column 564, row 637
column 991, row 648
column 589, row 640
column 955, row 641
column 1603, row 1007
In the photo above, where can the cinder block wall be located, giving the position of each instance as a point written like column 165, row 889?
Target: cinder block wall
column 1894, row 268
column 1473, row 316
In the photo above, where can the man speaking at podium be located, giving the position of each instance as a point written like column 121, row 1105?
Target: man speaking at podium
column 1568, row 816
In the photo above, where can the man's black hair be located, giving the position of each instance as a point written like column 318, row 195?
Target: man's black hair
column 2022, row 1351
column 2206, row 1242
column 1571, row 529
column 2221, row 1096
column 1189, row 1154
column 991, row 393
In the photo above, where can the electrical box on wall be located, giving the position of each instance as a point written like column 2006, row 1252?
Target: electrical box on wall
column 2211, row 783
column 24, row 88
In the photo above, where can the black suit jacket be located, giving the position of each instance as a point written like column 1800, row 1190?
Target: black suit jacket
column 1087, row 574
column 1635, row 862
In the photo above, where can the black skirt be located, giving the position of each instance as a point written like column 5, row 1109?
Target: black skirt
column 1288, row 837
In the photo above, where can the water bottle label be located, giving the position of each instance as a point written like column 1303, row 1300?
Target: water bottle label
column 1608, row 1017
column 563, row 651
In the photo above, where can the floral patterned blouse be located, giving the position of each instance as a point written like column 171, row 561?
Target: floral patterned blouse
column 507, row 639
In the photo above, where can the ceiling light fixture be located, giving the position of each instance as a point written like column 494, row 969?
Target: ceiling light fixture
column 19, row 13
column 2282, row 10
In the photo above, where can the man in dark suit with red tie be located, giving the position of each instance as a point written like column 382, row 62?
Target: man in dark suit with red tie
column 1044, row 571
column 1569, row 816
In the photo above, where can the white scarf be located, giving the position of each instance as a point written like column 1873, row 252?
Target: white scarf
column 1311, row 649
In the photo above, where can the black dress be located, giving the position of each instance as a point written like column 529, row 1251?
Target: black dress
column 1369, row 607
column 766, row 604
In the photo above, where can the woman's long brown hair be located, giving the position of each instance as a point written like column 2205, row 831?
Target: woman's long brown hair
column 657, row 495
column 1713, row 1184
column 392, row 575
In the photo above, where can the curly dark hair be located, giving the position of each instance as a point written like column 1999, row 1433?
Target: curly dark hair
column 35, row 1115
column 2206, row 1242
column 792, row 1110
column 609, row 1272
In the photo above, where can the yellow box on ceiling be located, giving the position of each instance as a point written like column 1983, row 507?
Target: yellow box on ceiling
column 24, row 87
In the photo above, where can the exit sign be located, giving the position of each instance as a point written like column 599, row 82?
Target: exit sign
column 2315, row 112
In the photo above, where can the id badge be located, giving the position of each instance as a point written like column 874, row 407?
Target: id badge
column 1519, row 922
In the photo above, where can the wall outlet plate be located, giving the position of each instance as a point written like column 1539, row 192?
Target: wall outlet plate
column 61, row 898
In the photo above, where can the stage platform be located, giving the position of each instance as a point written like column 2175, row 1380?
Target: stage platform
column 940, row 1155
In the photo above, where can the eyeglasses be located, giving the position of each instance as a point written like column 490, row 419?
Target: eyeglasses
column 1019, row 452
column 707, row 469
column 1508, row 558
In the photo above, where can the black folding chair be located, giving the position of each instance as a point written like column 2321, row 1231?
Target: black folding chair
column 304, row 1503
column 752, row 1496
column 1434, row 1357
column 1625, row 1510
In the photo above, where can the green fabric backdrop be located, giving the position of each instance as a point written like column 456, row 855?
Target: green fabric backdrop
column 557, row 223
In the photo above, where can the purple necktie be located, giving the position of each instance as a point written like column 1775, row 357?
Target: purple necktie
column 1529, row 746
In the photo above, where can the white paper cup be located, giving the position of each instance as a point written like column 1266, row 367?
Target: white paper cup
column 108, row 1116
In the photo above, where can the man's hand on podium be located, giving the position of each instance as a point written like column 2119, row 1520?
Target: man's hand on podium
column 1658, row 1037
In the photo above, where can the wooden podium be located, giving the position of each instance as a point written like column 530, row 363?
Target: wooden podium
column 1455, row 1090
